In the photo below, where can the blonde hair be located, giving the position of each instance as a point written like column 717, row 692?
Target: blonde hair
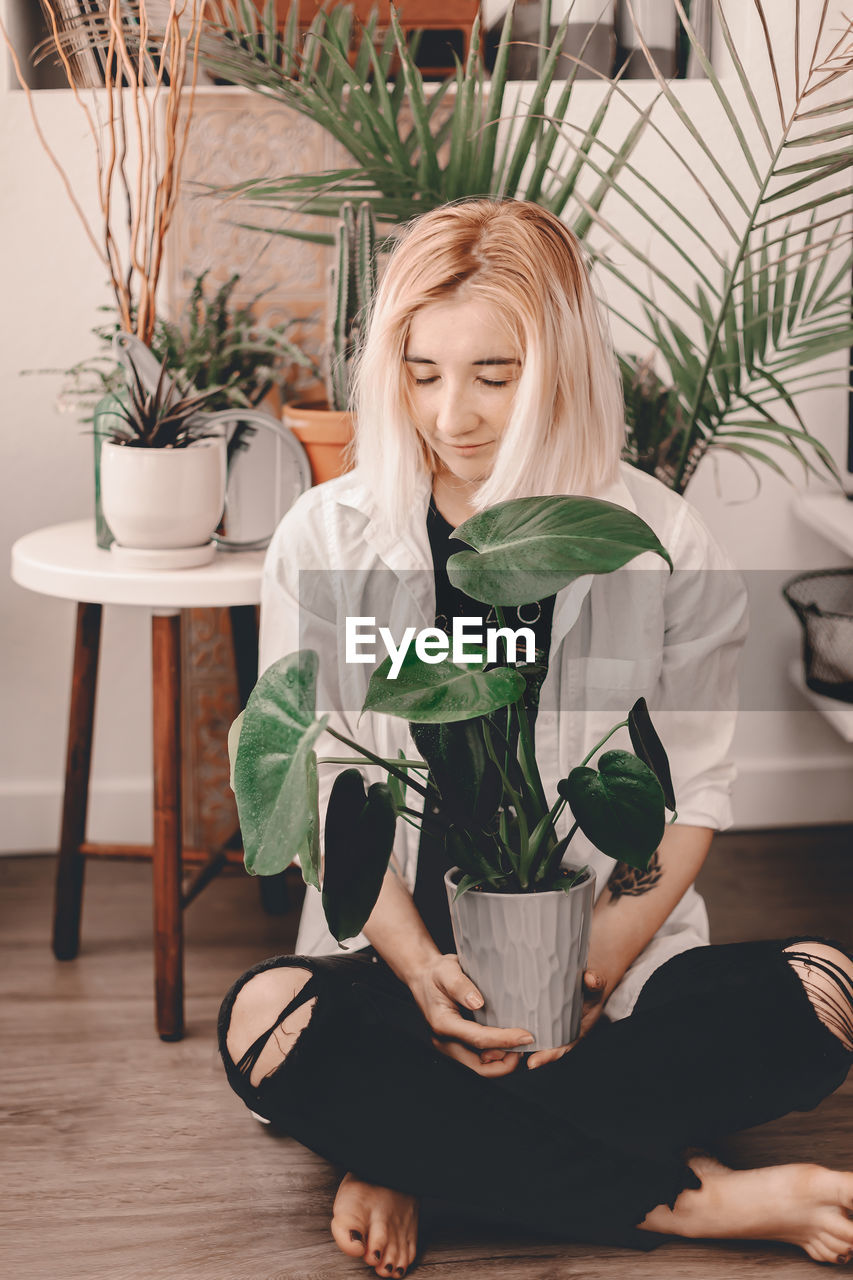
column 566, row 428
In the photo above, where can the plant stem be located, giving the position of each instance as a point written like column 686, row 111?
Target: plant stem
column 525, row 737
column 374, row 759
column 623, row 724
column 549, row 863
column 401, row 764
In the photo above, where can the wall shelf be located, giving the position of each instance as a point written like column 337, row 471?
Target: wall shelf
column 838, row 714
column 829, row 514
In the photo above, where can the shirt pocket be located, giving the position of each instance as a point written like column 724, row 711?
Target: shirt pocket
column 612, row 684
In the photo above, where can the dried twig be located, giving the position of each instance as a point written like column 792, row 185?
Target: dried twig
column 135, row 62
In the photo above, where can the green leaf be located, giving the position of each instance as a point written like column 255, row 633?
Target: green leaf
column 275, row 771
column 463, row 851
column 359, row 838
column 428, row 165
column 435, row 693
column 466, row 778
column 620, row 806
column 529, row 548
column 650, row 749
column 466, row 883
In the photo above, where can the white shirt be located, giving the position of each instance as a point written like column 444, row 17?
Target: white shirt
column 640, row 631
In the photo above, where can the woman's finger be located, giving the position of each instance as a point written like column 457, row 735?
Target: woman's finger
column 594, row 984
column 451, row 1025
column 452, row 1049
column 460, row 988
column 543, row 1056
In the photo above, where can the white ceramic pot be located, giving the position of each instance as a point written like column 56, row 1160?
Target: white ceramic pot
column 526, row 953
column 162, row 499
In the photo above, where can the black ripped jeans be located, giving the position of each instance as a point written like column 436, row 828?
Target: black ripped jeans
column 721, row 1038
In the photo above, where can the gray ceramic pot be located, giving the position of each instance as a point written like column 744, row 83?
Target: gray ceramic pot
column 526, row 953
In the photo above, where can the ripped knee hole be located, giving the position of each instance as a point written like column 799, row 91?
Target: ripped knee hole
column 257, row 1012
column 827, row 976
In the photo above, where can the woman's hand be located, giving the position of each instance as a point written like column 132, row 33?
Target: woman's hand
column 441, row 990
column 594, row 988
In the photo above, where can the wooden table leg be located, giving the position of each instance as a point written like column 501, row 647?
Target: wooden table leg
column 68, row 895
column 244, row 637
column 274, row 891
column 168, row 916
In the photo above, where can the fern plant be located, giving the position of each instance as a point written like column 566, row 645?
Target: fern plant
column 214, row 345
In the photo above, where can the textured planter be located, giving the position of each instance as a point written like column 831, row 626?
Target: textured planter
column 324, row 434
column 526, row 953
column 163, row 499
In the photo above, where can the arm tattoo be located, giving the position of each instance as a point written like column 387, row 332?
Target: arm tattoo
column 628, row 882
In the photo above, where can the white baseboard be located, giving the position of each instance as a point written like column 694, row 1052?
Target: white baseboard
column 783, row 792
column 119, row 809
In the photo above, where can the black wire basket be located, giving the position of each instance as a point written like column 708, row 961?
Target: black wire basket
column 823, row 602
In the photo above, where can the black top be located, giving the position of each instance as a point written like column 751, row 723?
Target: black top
column 429, row 893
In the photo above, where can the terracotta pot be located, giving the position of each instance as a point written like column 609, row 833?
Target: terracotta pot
column 324, row 434
column 526, row 953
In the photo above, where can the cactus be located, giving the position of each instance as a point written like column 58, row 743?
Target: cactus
column 352, row 281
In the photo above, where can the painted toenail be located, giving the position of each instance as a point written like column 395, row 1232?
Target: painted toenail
column 389, row 1267
column 356, row 1235
column 377, row 1254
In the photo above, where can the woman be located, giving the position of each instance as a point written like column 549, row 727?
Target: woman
column 487, row 374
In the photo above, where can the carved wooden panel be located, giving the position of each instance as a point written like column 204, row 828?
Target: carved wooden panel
column 235, row 136
column 209, row 705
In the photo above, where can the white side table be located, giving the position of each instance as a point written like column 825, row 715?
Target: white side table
column 65, row 561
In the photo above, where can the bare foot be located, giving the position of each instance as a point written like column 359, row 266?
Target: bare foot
column 376, row 1224
column 800, row 1204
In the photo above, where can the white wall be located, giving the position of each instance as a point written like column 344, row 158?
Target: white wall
column 793, row 767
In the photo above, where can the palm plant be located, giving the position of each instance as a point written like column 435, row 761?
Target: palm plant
column 735, row 331
column 741, row 327
column 474, row 149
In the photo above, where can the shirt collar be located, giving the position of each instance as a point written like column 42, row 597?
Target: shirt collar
column 408, row 551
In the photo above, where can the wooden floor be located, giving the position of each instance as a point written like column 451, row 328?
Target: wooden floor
column 125, row 1158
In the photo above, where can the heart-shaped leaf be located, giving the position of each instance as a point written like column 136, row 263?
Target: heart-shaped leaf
column 467, row 780
column 359, row 837
column 529, row 548
column 275, row 771
column 650, row 749
column 619, row 806
column 435, row 693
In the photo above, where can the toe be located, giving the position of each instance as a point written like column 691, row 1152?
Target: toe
column 830, row 1248
column 377, row 1242
column 349, row 1235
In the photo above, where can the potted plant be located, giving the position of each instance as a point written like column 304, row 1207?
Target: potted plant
column 470, row 723
column 214, row 346
column 162, row 474
column 326, row 430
